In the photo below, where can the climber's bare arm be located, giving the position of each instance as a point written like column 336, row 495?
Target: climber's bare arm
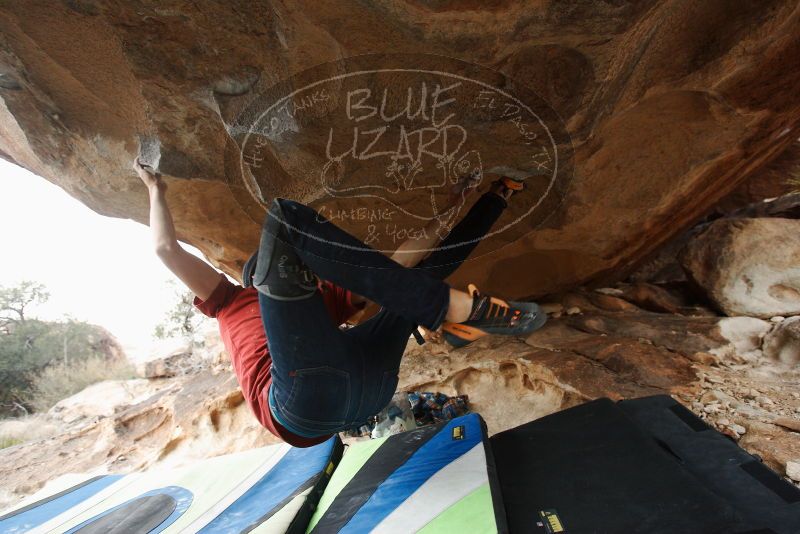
column 200, row 277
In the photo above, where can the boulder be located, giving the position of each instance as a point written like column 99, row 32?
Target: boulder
column 793, row 470
column 27, row 428
column 180, row 362
column 782, row 344
column 102, row 399
column 669, row 105
column 187, row 418
column 789, row 423
column 748, row 266
column 744, row 337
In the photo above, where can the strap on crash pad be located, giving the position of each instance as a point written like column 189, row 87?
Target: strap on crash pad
column 418, row 336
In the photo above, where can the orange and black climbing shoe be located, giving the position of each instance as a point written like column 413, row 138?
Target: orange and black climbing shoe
column 491, row 315
column 512, row 184
column 507, row 187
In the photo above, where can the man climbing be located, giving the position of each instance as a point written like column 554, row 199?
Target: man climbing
column 304, row 377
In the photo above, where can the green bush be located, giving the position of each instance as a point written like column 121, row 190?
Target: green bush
column 58, row 381
column 6, row 441
column 30, row 347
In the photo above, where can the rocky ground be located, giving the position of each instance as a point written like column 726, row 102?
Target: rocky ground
column 121, row 426
column 604, row 346
column 596, row 344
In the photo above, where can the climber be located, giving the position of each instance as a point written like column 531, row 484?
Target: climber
column 312, row 379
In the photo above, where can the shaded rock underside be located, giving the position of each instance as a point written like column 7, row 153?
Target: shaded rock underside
column 670, row 105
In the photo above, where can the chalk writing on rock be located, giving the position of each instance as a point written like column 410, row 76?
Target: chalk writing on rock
column 393, row 147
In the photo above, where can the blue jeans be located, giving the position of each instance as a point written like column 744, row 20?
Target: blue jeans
column 326, row 380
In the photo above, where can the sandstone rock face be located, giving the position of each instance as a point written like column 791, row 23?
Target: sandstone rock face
column 103, row 398
column 745, row 336
column 767, row 183
column 181, row 362
column 748, row 266
column 664, row 267
column 187, row 418
column 793, row 470
column 669, row 106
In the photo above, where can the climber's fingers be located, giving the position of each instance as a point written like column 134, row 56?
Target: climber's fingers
column 146, row 174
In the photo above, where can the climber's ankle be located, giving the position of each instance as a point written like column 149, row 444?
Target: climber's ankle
column 500, row 189
column 460, row 306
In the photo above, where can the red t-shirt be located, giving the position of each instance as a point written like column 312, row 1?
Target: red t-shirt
column 239, row 315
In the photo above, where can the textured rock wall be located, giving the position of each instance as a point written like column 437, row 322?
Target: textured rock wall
column 670, row 104
column 748, row 266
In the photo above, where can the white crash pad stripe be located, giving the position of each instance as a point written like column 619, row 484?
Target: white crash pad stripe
column 54, row 524
column 66, row 482
column 280, row 521
column 237, row 491
column 449, row 485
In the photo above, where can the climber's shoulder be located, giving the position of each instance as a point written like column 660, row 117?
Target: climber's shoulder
column 226, row 295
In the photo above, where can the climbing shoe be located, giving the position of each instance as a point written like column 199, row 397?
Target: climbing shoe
column 278, row 271
column 506, row 187
column 491, row 315
column 512, row 184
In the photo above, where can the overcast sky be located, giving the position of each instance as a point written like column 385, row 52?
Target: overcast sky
column 98, row 269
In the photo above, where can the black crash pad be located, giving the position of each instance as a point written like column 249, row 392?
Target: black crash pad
column 635, row 466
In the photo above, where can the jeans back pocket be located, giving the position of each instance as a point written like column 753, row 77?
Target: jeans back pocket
column 319, row 400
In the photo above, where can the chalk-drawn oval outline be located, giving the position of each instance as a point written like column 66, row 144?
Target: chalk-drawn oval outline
column 423, row 71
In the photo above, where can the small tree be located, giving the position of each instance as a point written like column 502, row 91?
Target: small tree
column 183, row 320
column 15, row 300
